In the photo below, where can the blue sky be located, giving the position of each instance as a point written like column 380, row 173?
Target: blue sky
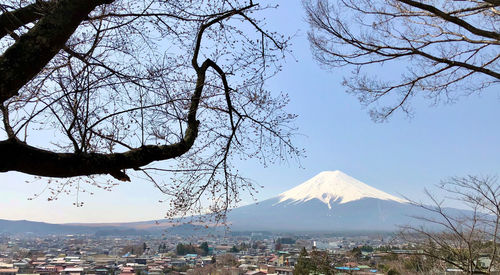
column 402, row 156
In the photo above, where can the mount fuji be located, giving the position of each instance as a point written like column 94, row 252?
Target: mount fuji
column 334, row 187
column 330, row 201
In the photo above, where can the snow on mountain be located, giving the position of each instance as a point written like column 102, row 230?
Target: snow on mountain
column 334, row 186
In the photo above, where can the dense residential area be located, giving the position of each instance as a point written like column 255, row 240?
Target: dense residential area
column 235, row 254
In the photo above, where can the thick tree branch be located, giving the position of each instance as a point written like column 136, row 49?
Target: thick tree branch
column 6, row 122
column 23, row 60
column 13, row 20
column 453, row 19
column 406, row 30
column 18, row 156
column 203, row 27
column 230, row 108
column 458, row 64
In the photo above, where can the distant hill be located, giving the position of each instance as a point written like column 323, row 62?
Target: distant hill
column 7, row 226
column 103, row 230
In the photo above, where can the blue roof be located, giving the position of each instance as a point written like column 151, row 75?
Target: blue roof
column 346, row 268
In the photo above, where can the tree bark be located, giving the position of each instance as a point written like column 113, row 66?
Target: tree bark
column 31, row 53
column 21, row 157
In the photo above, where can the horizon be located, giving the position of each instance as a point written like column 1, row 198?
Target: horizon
column 335, row 178
column 281, row 196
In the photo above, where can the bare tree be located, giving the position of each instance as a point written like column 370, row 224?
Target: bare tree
column 461, row 239
column 95, row 87
column 440, row 49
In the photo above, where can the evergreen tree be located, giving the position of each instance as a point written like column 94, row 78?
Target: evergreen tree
column 204, row 248
column 183, row 249
column 304, row 265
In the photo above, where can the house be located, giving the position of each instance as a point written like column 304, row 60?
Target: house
column 255, row 272
column 127, row 270
column 73, row 271
column 8, row 271
column 279, row 270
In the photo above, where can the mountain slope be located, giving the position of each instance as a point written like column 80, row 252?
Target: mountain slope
column 23, row 226
column 315, row 215
column 121, row 229
column 334, row 186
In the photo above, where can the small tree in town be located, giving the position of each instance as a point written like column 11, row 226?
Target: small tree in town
column 468, row 239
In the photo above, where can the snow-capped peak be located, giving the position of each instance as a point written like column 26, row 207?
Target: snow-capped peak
column 334, row 186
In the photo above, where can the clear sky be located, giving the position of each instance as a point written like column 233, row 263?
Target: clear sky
column 401, row 156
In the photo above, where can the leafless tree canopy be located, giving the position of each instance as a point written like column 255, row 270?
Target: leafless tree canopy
column 401, row 48
column 91, row 87
column 461, row 239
